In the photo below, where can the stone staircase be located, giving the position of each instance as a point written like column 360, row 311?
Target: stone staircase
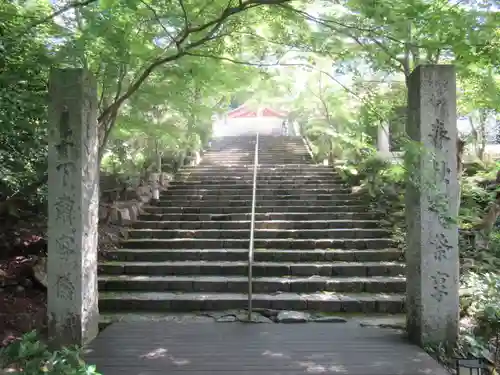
column 317, row 247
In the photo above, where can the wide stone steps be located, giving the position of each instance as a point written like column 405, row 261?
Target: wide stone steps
column 189, row 302
column 296, row 157
column 260, row 255
column 317, row 245
column 250, row 160
column 263, row 216
column 262, row 190
column 281, row 243
column 290, row 234
column 261, row 168
column 230, row 176
column 246, row 201
column 240, row 183
column 360, row 269
column 214, row 210
column 272, row 166
column 259, row 224
column 239, row 284
column 261, row 203
column 332, row 197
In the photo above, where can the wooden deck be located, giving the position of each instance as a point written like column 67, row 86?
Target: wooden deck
column 147, row 348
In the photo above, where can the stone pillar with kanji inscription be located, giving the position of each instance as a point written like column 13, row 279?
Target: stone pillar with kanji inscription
column 432, row 235
column 73, row 313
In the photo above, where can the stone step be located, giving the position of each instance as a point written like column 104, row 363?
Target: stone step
column 262, row 189
column 177, row 268
column 291, row 152
column 215, row 210
column 264, row 216
column 272, row 166
column 231, row 178
column 281, row 243
column 248, row 171
column 290, row 234
column 243, row 169
column 188, row 302
column 259, row 224
column 259, row 203
column 179, row 198
column 267, row 255
column 239, row 284
column 289, row 158
column 295, row 159
column 238, row 184
column 223, row 160
column 272, row 149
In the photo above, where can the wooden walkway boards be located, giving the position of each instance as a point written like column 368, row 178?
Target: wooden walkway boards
column 171, row 348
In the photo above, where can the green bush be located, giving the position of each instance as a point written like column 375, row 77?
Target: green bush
column 30, row 356
column 480, row 300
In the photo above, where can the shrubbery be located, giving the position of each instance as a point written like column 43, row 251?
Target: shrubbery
column 384, row 183
column 29, row 355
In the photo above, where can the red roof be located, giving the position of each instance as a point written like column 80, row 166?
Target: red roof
column 269, row 112
column 241, row 111
column 244, row 112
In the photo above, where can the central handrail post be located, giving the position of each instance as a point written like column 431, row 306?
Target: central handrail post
column 252, row 226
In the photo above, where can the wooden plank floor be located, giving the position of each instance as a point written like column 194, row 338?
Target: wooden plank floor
column 170, row 348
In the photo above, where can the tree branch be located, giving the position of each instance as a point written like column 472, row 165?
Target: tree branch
column 309, row 66
column 157, row 18
column 77, row 4
column 226, row 13
column 184, row 14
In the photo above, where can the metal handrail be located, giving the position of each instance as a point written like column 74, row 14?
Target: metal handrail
column 252, row 227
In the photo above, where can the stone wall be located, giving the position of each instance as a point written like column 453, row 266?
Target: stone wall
column 122, row 197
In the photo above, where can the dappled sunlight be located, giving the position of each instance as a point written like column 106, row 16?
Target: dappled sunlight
column 271, row 354
column 216, row 348
column 154, row 354
column 163, row 353
column 316, row 368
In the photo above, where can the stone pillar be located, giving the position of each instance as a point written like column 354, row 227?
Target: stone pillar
column 432, row 238
column 383, row 139
column 73, row 202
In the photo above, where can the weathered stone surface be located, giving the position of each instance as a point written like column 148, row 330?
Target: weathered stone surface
column 292, row 317
column 432, row 239
column 40, row 271
column 73, row 202
column 395, row 322
column 317, row 247
column 328, row 319
column 226, row 319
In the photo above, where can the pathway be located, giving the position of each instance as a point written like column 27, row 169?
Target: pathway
column 167, row 347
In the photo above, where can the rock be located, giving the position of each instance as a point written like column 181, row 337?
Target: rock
column 268, row 313
column 19, row 288
column 133, row 211
column 144, row 193
column 124, row 215
column 27, row 283
column 40, row 271
column 328, row 319
column 256, row 318
column 226, row 319
column 292, row 317
column 114, row 215
column 385, row 322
